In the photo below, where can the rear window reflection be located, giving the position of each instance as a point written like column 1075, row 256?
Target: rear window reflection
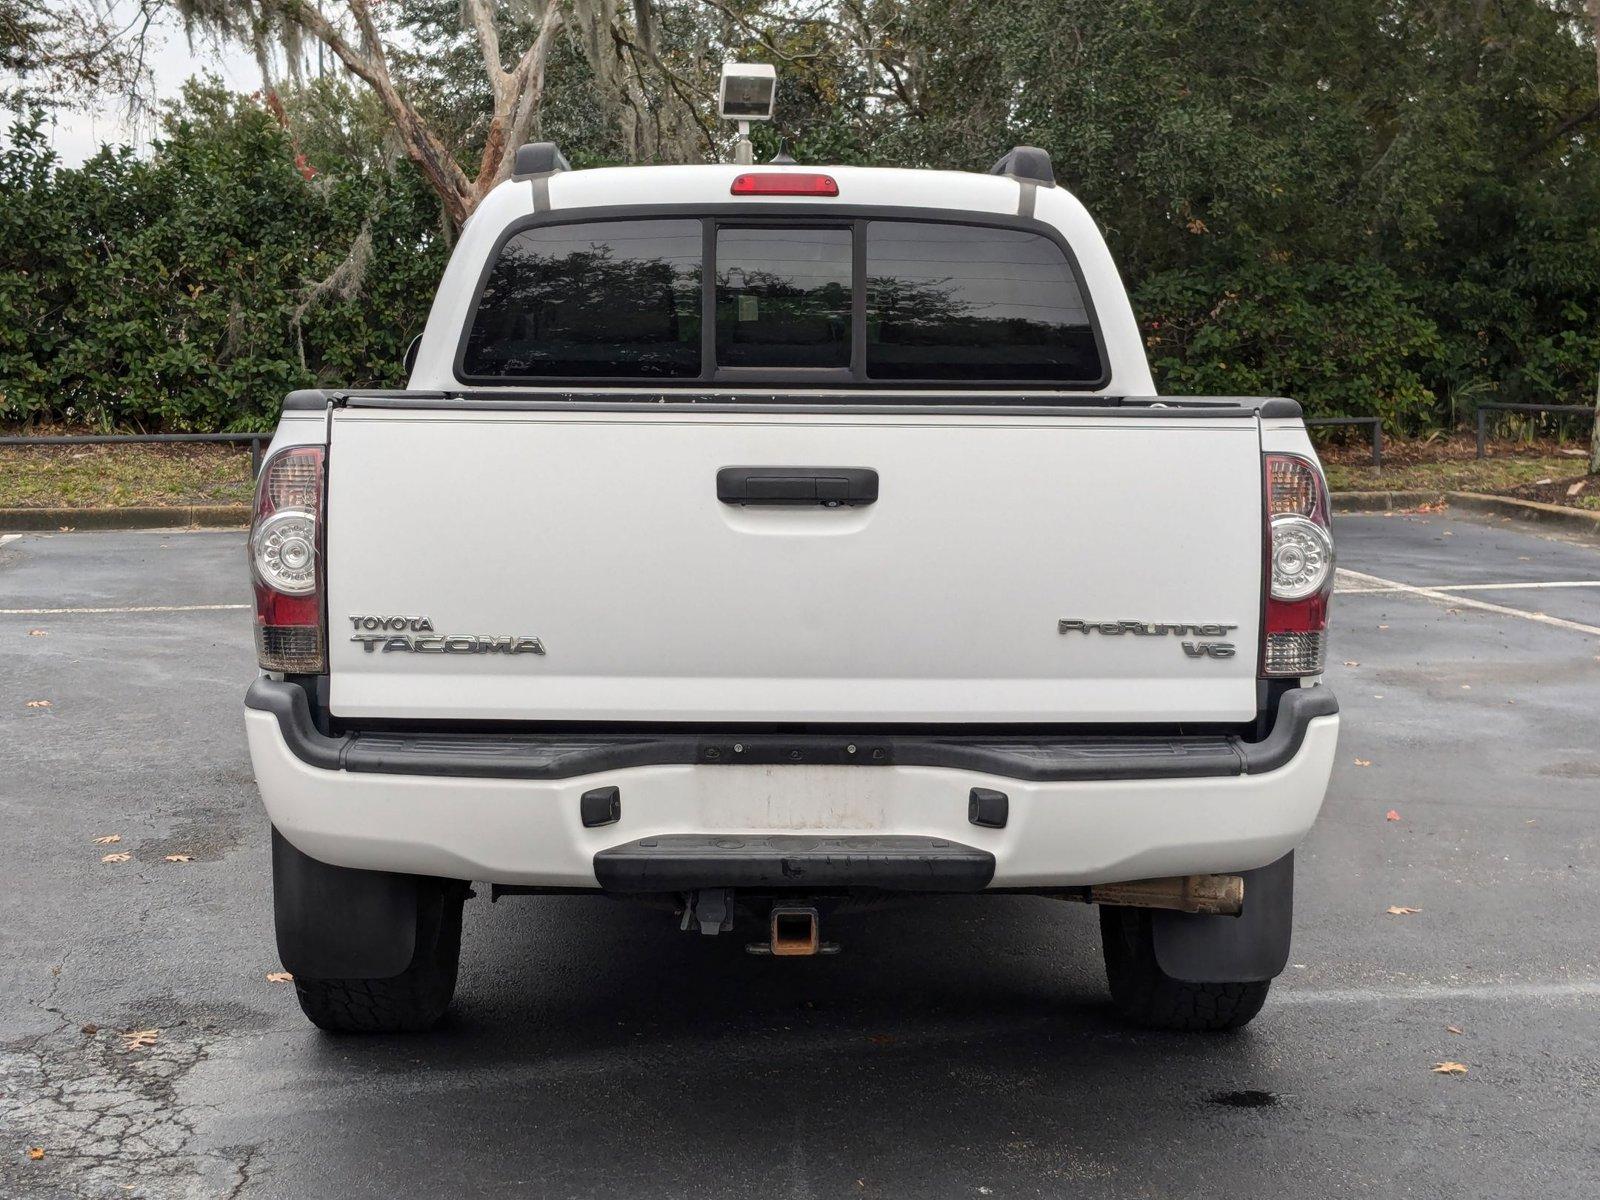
column 965, row 302
column 617, row 299
column 783, row 297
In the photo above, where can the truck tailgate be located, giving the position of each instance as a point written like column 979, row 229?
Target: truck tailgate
column 601, row 535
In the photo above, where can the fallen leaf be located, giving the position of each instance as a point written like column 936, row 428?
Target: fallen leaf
column 177, row 858
column 1351, row 663
column 1400, row 910
column 279, row 977
column 138, row 1039
column 881, row 1039
column 37, row 633
column 91, row 1029
column 1391, row 815
column 120, row 856
column 1454, row 1029
column 110, row 839
column 38, row 704
column 1449, row 1068
column 35, row 1153
column 1363, row 762
column 1575, row 488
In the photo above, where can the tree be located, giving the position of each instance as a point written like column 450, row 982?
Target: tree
column 1594, row 437
column 353, row 36
column 1378, row 206
column 70, row 48
column 626, row 53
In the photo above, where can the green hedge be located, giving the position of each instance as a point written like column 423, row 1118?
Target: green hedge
column 162, row 293
column 190, row 288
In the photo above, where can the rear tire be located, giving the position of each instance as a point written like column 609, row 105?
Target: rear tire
column 411, row 1001
column 1146, row 995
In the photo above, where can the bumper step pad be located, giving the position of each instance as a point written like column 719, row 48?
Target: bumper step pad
column 687, row 861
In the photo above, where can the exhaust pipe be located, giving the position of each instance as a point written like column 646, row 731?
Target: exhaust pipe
column 1211, row 895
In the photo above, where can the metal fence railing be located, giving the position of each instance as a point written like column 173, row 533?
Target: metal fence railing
column 1485, row 409
column 255, row 441
column 1374, row 422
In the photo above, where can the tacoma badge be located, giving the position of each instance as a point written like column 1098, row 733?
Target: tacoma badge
column 402, row 633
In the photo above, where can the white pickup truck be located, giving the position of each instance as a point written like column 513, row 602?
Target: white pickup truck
column 764, row 538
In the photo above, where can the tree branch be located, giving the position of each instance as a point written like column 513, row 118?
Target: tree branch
column 1565, row 127
column 422, row 146
column 526, row 92
column 748, row 26
column 481, row 14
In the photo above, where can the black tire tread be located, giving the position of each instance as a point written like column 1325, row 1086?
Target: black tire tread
column 410, row 1002
column 1146, row 995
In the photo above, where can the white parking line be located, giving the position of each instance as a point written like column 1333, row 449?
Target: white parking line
column 143, row 608
column 1440, row 596
column 1582, row 989
column 1478, row 587
column 1501, row 587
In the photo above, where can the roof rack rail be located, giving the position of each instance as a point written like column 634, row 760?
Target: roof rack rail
column 539, row 158
column 1026, row 162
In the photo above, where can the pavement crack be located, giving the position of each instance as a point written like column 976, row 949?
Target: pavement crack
column 110, row 1118
column 242, row 1172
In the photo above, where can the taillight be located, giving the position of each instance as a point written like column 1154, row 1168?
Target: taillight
column 1299, row 568
column 286, row 562
column 784, row 183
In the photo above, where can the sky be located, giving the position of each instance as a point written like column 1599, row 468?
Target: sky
column 79, row 131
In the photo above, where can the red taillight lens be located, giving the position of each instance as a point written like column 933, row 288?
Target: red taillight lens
column 784, row 183
column 286, row 562
column 1299, row 568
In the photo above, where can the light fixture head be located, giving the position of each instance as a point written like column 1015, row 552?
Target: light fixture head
column 747, row 91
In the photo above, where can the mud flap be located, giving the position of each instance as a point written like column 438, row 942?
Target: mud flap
column 340, row 923
column 1245, row 949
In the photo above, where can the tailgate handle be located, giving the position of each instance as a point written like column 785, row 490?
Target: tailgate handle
column 830, row 487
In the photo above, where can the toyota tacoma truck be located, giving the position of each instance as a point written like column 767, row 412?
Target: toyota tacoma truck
column 757, row 540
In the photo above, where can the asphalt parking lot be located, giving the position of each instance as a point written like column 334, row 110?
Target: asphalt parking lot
column 962, row 1048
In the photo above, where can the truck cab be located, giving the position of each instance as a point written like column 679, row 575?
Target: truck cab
column 754, row 539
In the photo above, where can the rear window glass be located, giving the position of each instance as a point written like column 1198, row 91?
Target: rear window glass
column 848, row 300
column 966, row 302
column 783, row 297
column 612, row 299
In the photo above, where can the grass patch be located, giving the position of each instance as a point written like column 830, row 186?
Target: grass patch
column 1469, row 475
column 123, row 476
column 132, row 476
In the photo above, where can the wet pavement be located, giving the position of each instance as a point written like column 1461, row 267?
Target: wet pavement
column 962, row 1047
